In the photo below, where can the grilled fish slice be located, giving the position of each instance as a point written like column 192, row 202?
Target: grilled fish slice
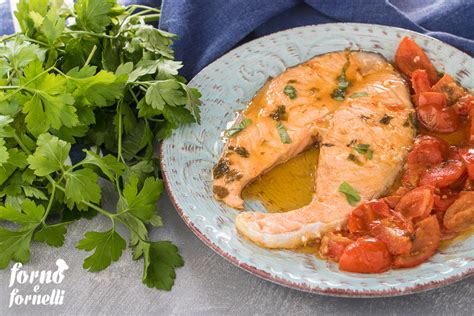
column 364, row 142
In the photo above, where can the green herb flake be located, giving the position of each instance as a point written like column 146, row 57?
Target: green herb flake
column 359, row 94
column 285, row 138
column 362, row 148
column 290, row 92
column 351, row 194
column 370, row 154
column 237, row 129
column 386, row 119
column 340, row 92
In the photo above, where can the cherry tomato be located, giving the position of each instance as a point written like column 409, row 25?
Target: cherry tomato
column 467, row 155
column 443, row 201
column 464, row 105
column 420, row 81
column 366, row 255
column 437, row 118
column 449, row 88
column 428, row 151
column 443, row 175
column 362, row 216
column 395, row 232
column 460, row 215
column 333, row 245
column 428, row 97
column 410, row 57
column 417, row 203
column 426, row 241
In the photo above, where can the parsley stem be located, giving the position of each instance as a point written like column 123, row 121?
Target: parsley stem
column 119, row 131
column 89, row 58
column 9, row 87
column 50, row 204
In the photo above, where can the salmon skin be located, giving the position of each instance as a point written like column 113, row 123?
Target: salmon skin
column 355, row 106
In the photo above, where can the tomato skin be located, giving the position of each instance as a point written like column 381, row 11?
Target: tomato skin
column 395, row 233
column 443, row 175
column 429, row 97
column 471, row 128
column 467, row 155
column 366, row 255
column 420, row 81
column 410, row 57
column 333, row 245
column 427, row 239
column 438, row 119
column 460, row 215
column 464, row 105
column 428, row 150
column 449, row 88
column 443, row 201
column 362, row 216
column 417, row 203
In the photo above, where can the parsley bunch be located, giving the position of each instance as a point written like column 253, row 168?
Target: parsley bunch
column 99, row 76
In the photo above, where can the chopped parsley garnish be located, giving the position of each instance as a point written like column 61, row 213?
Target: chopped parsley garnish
column 359, row 94
column 290, row 92
column 285, row 138
column 279, row 114
column 340, row 92
column 237, row 129
column 386, row 119
column 327, row 145
column 351, row 194
column 241, row 151
column 365, row 150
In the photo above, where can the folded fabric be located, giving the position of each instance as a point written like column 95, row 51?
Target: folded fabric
column 209, row 28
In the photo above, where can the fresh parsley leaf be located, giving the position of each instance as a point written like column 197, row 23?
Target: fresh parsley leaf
column 284, row 137
column 238, row 128
column 92, row 15
column 108, row 246
column 351, row 194
column 14, row 246
column 4, row 155
column 53, row 235
column 81, row 185
column 49, row 156
column 165, row 92
column 290, row 92
column 161, row 259
column 30, row 214
column 142, row 204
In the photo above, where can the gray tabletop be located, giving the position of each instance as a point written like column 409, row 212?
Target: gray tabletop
column 207, row 284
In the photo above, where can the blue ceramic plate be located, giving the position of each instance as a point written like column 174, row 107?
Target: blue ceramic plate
column 188, row 156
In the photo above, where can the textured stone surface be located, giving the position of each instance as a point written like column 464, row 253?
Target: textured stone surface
column 207, row 284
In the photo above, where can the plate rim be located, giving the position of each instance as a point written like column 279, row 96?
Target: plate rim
column 417, row 288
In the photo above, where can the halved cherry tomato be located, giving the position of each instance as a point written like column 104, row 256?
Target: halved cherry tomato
column 464, row 105
column 428, row 150
column 428, row 97
column 453, row 154
column 366, row 255
column 443, row 175
column 410, row 57
column 449, row 88
column 444, row 200
column 417, row 203
column 333, row 245
column 427, row 239
column 362, row 216
column 395, row 232
column 437, row 118
column 467, row 155
column 420, row 81
column 460, row 215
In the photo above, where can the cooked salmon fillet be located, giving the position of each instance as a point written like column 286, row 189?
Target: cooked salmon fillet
column 355, row 106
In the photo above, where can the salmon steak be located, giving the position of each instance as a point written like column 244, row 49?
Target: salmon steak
column 352, row 104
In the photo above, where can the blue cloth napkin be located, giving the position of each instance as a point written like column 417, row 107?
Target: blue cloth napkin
column 209, row 28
